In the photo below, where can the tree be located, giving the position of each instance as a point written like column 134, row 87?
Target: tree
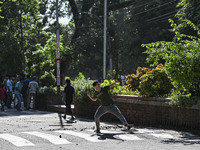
column 130, row 23
column 181, row 56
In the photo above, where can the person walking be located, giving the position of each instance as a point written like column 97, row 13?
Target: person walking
column 3, row 95
column 9, row 91
column 107, row 105
column 69, row 94
column 33, row 87
column 18, row 95
column 25, row 90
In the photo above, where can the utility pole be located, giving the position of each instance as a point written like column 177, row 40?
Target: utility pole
column 57, row 50
column 105, row 39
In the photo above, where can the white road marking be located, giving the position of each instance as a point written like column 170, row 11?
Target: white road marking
column 162, row 135
column 51, row 138
column 129, row 137
column 122, row 135
column 17, row 141
column 88, row 137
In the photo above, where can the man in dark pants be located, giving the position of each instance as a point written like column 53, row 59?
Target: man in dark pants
column 68, row 97
column 107, row 105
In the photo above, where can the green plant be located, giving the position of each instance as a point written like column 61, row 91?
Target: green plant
column 181, row 55
column 133, row 80
column 41, row 96
column 81, row 86
column 118, row 89
column 149, row 82
column 155, row 83
column 48, row 79
column 185, row 100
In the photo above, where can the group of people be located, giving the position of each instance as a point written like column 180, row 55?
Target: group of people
column 101, row 94
column 20, row 88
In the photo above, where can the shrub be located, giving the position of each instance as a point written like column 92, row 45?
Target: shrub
column 81, row 86
column 149, row 82
column 133, row 80
column 48, row 79
column 117, row 89
column 178, row 99
column 41, row 96
column 155, row 83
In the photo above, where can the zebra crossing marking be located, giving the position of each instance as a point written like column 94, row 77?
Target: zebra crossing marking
column 15, row 140
column 122, row 135
column 88, row 137
column 162, row 135
column 51, row 138
column 129, row 137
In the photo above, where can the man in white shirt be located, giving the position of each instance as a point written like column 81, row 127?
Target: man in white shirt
column 33, row 87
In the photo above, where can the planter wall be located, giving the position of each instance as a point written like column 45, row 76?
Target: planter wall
column 146, row 111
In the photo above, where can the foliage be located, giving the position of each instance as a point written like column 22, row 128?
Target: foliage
column 149, row 82
column 117, row 89
column 41, row 96
column 133, row 80
column 155, row 83
column 181, row 56
column 48, row 79
column 80, row 76
column 185, row 100
column 81, row 86
column 46, row 91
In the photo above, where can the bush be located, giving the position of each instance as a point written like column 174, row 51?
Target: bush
column 133, row 80
column 118, row 89
column 81, row 86
column 41, row 96
column 155, row 83
column 179, row 99
column 48, row 79
column 149, row 82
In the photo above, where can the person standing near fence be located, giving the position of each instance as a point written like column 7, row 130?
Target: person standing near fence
column 33, row 87
column 18, row 95
column 69, row 94
column 3, row 95
column 9, row 91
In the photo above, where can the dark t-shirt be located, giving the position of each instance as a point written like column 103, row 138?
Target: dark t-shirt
column 103, row 96
column 69, row 91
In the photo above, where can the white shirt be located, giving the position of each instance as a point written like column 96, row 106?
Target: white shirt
column 33, row 85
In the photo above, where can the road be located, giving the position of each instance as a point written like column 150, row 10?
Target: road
column 40, row 130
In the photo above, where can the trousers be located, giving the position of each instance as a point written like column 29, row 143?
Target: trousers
column 113, row 109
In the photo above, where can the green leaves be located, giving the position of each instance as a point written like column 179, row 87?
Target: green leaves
column 180, row 56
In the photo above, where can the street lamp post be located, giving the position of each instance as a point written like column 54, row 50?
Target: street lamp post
column 105, row 39
column 57, row 50
column 104, row 36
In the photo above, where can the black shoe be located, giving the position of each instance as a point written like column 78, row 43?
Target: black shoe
column 64, row 117
column 19, row 109
column 129, row 126
column 97, row 131
column 72, row 118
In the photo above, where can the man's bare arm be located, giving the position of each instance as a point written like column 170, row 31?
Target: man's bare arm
column 92, row 98
column 113, row 84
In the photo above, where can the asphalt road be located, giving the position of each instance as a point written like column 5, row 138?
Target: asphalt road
column 40, row 130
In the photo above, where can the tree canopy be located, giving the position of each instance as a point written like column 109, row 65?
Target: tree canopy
column 28, row 29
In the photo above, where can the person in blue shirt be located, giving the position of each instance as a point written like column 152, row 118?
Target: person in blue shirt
column 9, row 91
column 18, row 89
